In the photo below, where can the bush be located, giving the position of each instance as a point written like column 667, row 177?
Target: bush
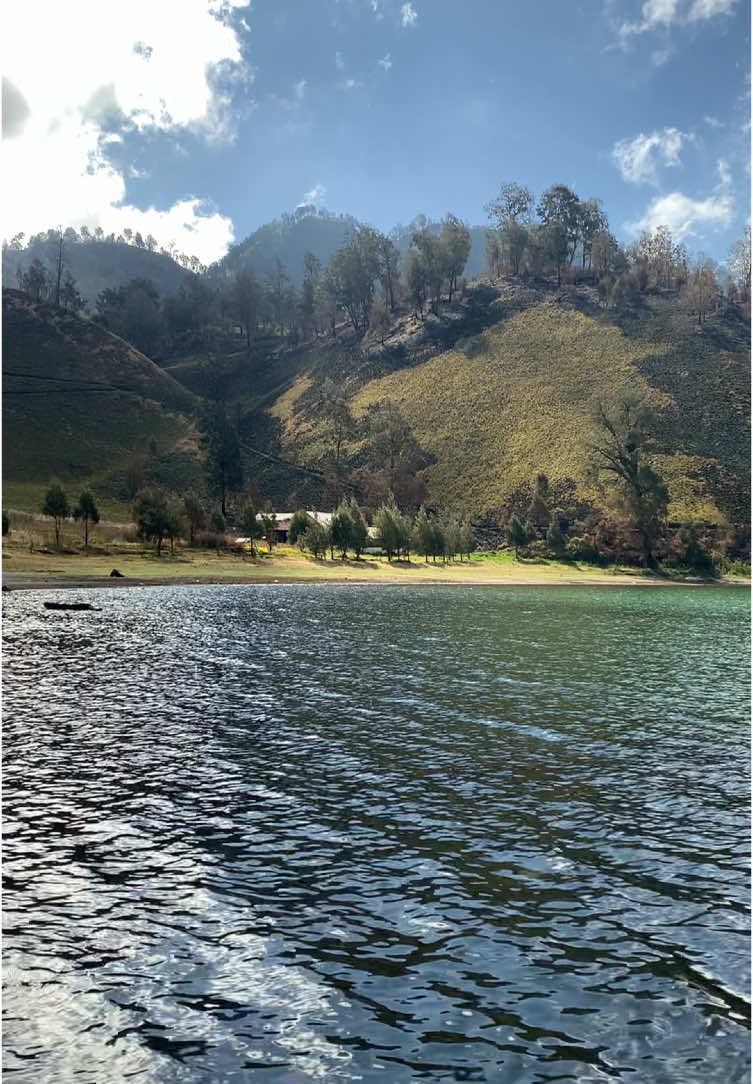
column 555, row 540
column 693, row 554
column 581, row 549
column 6, row 523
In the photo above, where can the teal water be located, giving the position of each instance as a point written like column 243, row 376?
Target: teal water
column 299, row 833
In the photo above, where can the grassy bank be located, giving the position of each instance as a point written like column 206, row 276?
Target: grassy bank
column 41, row 568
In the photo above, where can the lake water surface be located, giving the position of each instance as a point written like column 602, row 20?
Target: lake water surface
column 317, row 833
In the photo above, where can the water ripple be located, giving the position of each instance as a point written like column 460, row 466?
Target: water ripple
column 363, row 834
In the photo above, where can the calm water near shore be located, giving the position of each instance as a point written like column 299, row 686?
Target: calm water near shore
column 328, row 833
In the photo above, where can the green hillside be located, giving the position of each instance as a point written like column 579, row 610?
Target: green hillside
column 79, row 404
column 519, row 398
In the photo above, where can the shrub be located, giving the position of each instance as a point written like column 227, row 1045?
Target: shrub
column 6, row 523
column 693, row 554
column 555, row 539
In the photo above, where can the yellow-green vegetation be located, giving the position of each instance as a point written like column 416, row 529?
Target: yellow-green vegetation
column 520, row 398
column 515, row 400
column 285, row 564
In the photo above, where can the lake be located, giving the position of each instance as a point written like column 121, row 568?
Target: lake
column 339, row 833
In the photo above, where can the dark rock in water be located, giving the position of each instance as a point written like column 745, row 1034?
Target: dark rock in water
column 5, row 587
column 116, row 573
column 69, row 606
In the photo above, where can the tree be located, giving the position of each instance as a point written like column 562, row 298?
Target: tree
column 455, row 239
column 621, row 452
column 56, row 505
column 701, row 290
column 432, row 261
column 606, row 255
column 388, row 267
column 69, row 295
column 315, row 539
column 393, row 529
column 739, row 263
column 664, row 260
column 538, row 510
column 513, row 204
column 391, row 441
column 250, row 525
column 514, row 240
column 359, row 532
column 415, row 279
column 591, row 221
column 268, row 524
column 241, row 298
column 693, row 553
column 6, row 523
column 86, row 510
column 422, row 537
column 340, row 530
column 339, row 423
column 195, row 515
column 154, row 521
column 59, row 274
column 299, row 524
column 175, row 522
column 351, row 274
column 35, row 282
column 221, row 451
column 493, row 254
column 467, row 539
column 559, row 204
column 555, row 539
column 518, row 535
column 555, row 245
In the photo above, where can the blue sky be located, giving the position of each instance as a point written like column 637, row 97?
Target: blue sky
column 204, row 119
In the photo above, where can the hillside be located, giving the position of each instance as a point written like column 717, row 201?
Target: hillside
column 97, row 265
column 288, row 239
column 518, row 397
column 80, row 404
column 307, row 229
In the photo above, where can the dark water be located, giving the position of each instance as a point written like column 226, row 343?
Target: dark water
column 293, row 834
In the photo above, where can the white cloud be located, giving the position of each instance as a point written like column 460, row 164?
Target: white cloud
column 662, row 14
column 655, row 13
column 637, row 159
column 168, row 68
column 685, row 215
column 299, row 90
column 707, row 9
column 385, row 62
column 725, row 175
column 314, row 195
column 713, row 122
column 408, row 15
column 339, row 61
column 659, row 57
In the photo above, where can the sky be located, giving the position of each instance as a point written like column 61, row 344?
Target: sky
column 200, row 120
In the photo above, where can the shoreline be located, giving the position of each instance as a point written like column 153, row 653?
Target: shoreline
column 13, row 582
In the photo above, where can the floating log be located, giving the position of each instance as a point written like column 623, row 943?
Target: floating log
column 69, row 606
